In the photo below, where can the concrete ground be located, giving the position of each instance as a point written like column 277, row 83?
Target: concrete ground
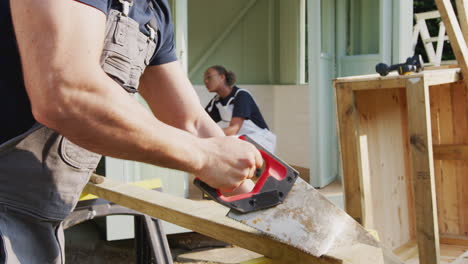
column 85, row 243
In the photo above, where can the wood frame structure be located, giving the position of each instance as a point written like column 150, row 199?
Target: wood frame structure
column 395, row 115
column 432, row 106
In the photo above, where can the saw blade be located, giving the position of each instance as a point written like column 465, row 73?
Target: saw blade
column 309, row 221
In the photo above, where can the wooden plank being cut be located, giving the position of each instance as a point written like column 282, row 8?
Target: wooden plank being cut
column 457, row 41
column 205, row 217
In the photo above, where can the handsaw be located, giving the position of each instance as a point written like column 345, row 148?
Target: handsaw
column 285, row 207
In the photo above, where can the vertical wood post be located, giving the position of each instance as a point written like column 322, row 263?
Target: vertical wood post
column 350, row 153
column 422, row 165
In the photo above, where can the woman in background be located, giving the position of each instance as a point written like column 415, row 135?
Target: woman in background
column 234, row 109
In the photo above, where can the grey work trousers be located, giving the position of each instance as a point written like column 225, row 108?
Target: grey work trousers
column 41, row 177
column 21, row 234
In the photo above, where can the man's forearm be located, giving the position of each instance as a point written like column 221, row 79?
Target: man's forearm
column 100, row 116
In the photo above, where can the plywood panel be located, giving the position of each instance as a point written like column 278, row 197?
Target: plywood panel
column 460, row 117
column 463, row 197
column 382, row 125
column 449, row 114
column 445, row 170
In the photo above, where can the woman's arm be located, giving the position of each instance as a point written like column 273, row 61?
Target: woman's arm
column 171, row 97
column 234, row 126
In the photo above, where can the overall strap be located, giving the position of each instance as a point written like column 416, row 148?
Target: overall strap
column 240, row 90
column 152, row 25
column 126, row 4
column 215, row 98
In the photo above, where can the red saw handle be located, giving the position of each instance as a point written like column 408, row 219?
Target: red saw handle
column 272, row 187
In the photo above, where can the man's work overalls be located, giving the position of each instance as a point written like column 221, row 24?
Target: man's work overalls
column 42, row 173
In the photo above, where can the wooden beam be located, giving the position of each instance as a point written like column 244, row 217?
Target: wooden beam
column 462, row 259
column 427, row 15
column 443, row 76
column 424, row 31
column 205, row 217
column 261, row 260
column 421, row 160
column 440, row 39
column 304, row 173
column 432, row 75
column 350, row 153
column 457, row 41
column 441, row 67
column 381, row 83
column 462, row 10
column 454, row 240
column 407, row 251
column 451, row 152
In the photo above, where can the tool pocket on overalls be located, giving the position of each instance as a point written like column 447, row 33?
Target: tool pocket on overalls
column 78, row 157
column 126, row 51
column 117, row 65
column 116, row 55
column 72, row 174
column 43, row 173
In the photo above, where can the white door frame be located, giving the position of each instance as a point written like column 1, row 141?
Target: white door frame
column 323, row 139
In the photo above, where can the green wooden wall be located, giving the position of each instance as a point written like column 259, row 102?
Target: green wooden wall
column 362, row 27
column 257, row 39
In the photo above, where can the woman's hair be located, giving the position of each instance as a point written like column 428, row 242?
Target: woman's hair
column 230, row 76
